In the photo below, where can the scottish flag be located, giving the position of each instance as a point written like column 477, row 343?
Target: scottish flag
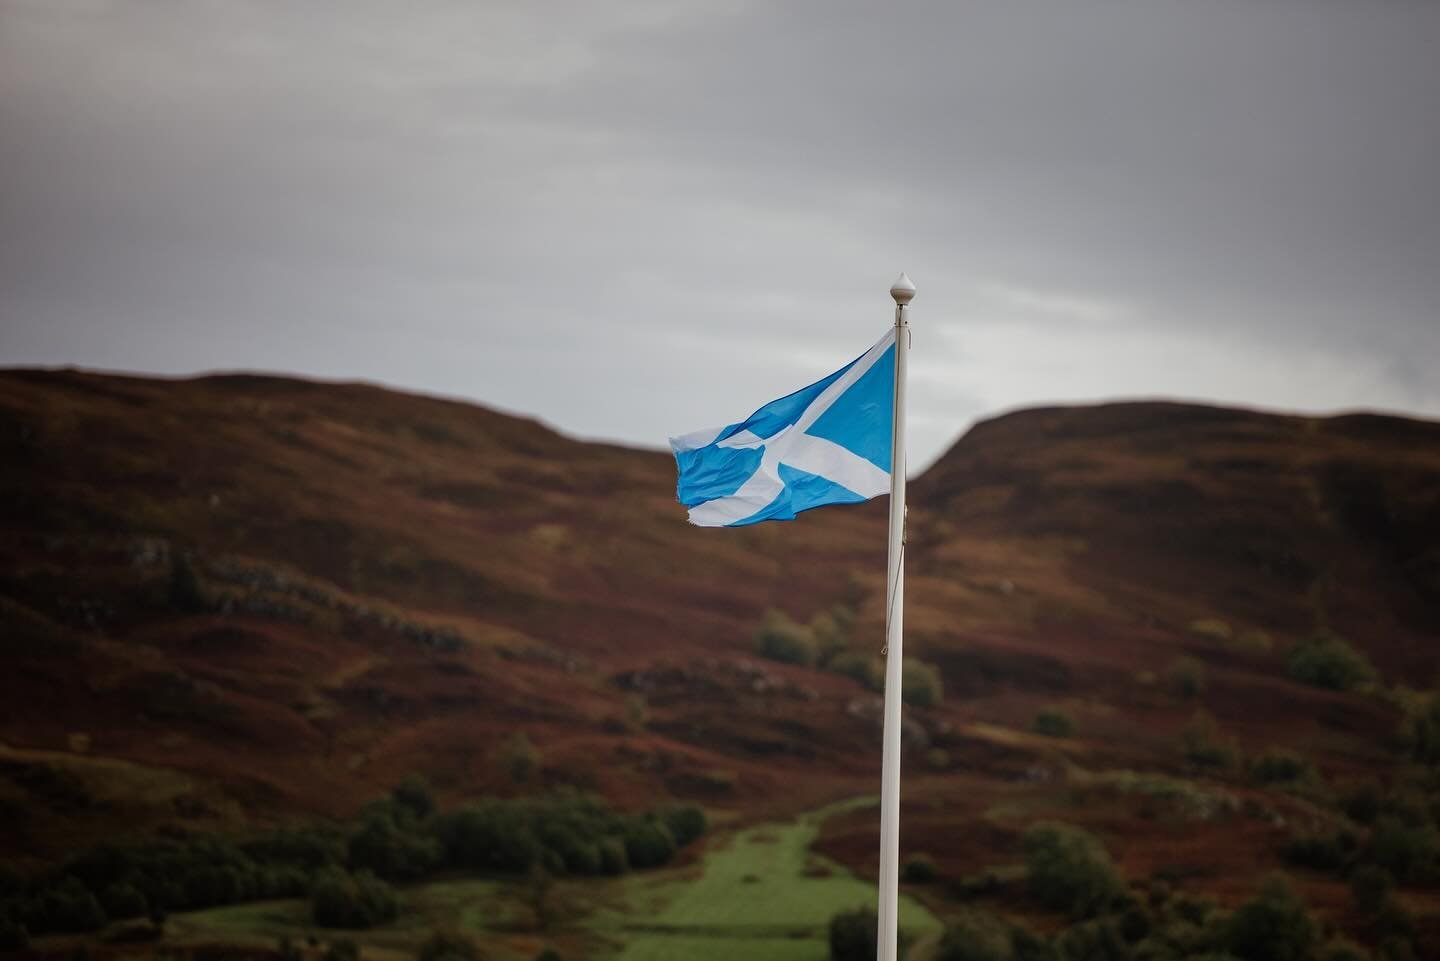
column 828, row 443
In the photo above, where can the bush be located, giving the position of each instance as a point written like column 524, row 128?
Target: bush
column 1342, row 950
column 341, row 950
column 1370, row 885
column 865, row 669
column 520, row 758
column 65, row 908
column 976, row 936
column 1068, row 869
column 343, row 900
column 1098, row 940
column 1186, row 677
column 686, row 823
column 1278, row 766
column 919, row 869
column 1322, row 852
column 549, row 954
column 1408, row 852
column 415, row 796
column 1272, row 926
column 1326, row 660
column 1420, row 729
column 1053, row 722
column 448, row 946
column 853, row 935
column 781, row 639
column 648, row 844
column 124, row 901
column 1202, row 743
column 920, row 684
column 388, row 850
column 13, row 936
column 185, row 593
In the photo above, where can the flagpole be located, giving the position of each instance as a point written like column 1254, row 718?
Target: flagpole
column 887, row 946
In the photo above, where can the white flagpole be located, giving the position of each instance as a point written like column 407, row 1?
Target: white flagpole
column 887, row 945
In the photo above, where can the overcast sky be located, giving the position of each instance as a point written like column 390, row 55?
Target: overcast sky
column 635, row 218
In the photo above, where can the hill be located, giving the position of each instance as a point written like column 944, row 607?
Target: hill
column 240, row 600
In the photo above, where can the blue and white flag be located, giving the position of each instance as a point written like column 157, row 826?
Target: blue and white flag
column 828, row 443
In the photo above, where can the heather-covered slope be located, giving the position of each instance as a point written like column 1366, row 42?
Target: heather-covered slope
column 234, row 600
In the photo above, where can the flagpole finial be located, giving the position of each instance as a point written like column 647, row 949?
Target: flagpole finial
column 902, row 290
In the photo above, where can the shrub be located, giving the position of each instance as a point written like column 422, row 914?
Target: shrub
column 520, row 758
column 448, row 946
column 1420, row 729
column 388, row 850
column 1342, row 950
column 919, row 869
column 853, row 935
column 1272, row 926
column 185, row 593
column 976, row 936
column 648, row 844
column 920, row 684
column 686, row 823
column 343, row 900
column 1361, row 802
column 1370, row 885
column 1069, row 870
column 831, row 633
column 549, row 954
column 1211, row 628
column 1408, row 852
column 1278, row 766
column 341, row 950
column 13, row 936
column 781, row 639
column 124, row 901
column 866, row 669
column 415, row 796
column 1322, row 852
column 1098, row 940
column 1053, row 722
column 65, row 908
column 1202, row 743
column 1186, row 677
column 1327, row 660
column 613, row 859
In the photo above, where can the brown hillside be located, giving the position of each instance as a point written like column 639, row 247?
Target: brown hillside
column 385, row 583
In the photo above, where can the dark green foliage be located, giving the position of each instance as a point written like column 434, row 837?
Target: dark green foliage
column 919, row 869
column 976, row 936
column 122, row 901
column 1272, row 926
column 920, row 684
column 1053, row 722
column 1370, row 885
column 648, row 844
column 1361, row 802
column 1420, row 730
column 312, row 847
column 343, row 900
column 13, row 936
column 1202, row 743
column 1322, row 851
column 549, row 954
column 1343, row 951
column 613, row 859
column 289, row 951
column 1327, row 660
column 415, row 796
column 449, row 946
column 865, row 669
column 65, row 908
column 1097, row 940
column 1408, row 851
column 185, row 593
column 489, row 835
column 392, row 850
column 1186, row 677
column 341, row 950
column 1278, row 766
column 520, row 758
column 686, row 823
column 781, row 639
column 1068, row 870
column 853, row 935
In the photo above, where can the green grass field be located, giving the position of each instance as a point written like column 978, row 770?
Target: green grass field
column 758, row 894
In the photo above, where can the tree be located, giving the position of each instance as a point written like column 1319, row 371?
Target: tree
column 520, row 758
column 1327, row 660
column 185, row 592
column 1069, row 870
column 1272, row 926
column 343, row 900
column 449, row 946
column 415, row 795
column 781, row 639
column 1053, row 722
column 976, row 936
column 853, row 935
column 920, row 684
column 1186, row 677
column 919, row 869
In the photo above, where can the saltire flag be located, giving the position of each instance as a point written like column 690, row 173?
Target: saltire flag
column 828, row 443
